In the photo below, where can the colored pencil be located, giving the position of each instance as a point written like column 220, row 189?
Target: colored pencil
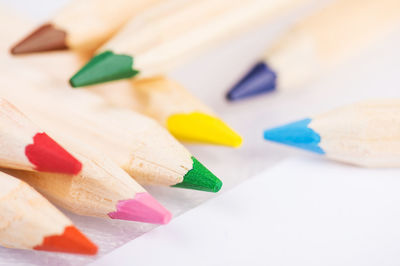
column 364, row 134
column 29, row 221
column 182, row 114
column 136, row 143
column 82, row 25
column 172, row 33
column 24, row 146
column 102, row 189
column 317, row 44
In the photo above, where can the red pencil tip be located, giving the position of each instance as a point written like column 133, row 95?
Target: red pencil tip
column 45, row 38
column 71, row 241
column 48, row 156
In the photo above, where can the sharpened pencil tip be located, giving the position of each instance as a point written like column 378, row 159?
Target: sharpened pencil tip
column 104, row 67
column 48, row 156
column 200, row 178
column 296, row 134
column 260, row 79
column 142, row 208
column 204, row 128
column 45, row 38
column 70, row 241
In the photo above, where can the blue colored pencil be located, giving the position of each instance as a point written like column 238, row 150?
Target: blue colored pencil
column 364, row 134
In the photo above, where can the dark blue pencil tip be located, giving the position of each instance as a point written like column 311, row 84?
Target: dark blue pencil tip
column 260, row 79
column 296, row 134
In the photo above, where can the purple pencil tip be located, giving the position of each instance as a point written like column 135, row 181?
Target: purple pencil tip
column 260, row 79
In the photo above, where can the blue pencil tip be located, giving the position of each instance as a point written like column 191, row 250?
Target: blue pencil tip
column 296, row 134
column 260, row 79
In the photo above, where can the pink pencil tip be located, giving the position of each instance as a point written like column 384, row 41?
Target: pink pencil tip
column 142, row 208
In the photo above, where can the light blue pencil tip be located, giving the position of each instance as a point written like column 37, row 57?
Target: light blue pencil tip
column 296, row 134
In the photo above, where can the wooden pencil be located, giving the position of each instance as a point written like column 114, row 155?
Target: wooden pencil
column 172, row 33
column 181, row 113
column 29, row 221
column 102, row 189
column 18, row 21
column 364, row 134
column 317, row 44
column 209, row 129
column 24, row 146
column 82, row 25
column 136, row 143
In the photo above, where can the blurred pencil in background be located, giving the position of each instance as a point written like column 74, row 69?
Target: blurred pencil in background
column 29, row 221
column 82, row 25
column 318, row 43
column 365, row 134
column 172, row 33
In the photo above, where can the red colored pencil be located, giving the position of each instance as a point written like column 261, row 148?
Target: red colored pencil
column 24, row 146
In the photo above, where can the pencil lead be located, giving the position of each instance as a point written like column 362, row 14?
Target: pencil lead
column 45, row 38
column 104, row 67
column 70, row 241
column 142, row 208
column 48, row 156
column 199, row 127
column 296, row 134
column 260, row 79
column 200, row 178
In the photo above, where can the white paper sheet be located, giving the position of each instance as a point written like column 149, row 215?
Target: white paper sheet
column 301, row 212
column 374, row 73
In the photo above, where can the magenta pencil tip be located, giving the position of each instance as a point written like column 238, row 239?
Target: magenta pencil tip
column 142, row 208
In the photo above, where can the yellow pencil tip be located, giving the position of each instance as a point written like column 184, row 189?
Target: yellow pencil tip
column 199, row 127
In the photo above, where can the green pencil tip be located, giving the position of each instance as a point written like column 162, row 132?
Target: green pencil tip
column 104, row 67
column 200, row 178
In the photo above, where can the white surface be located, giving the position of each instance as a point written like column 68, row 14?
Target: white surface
column 373, row 73
column 301, row 212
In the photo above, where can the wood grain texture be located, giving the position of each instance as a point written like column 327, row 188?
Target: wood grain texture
column 25, row 146
column 16, row 132
column 178, row 30
column 365, row 134
column 136, row 143
column 161, row 97
column 26, row 217
column 89, row 23
column 94, row 192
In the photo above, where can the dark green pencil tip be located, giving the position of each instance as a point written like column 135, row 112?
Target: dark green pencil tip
column 200, row 178
column 104, row 67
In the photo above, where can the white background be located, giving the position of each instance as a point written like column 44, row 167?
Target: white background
column 301, row 212
column 374, row 72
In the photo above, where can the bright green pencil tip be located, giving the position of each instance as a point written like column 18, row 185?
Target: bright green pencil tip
column 200, row 178
column 104, row 67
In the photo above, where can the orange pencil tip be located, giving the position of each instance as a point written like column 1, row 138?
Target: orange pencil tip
column 71, row 241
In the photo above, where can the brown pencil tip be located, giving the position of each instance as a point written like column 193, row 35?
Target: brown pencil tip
column 45, row 38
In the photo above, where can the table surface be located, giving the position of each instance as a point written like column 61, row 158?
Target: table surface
column 303, row 212
column 371, row 73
